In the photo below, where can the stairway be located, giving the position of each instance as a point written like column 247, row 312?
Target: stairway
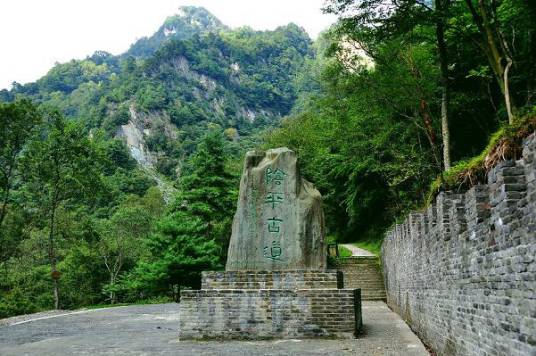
column 363, row 272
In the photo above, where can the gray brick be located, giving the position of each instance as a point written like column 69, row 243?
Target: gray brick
column 465, row 280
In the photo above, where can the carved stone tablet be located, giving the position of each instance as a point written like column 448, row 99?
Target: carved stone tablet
column 279, row 221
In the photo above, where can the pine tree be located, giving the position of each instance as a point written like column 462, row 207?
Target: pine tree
column 180, row 251
column 194, row 234
column 207, row 192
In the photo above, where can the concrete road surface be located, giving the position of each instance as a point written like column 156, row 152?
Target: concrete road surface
column 153, row 330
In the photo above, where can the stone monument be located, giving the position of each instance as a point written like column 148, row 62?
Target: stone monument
column 279, row 222
column 276, row 283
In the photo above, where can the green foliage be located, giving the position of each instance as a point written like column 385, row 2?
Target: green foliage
column 61, row 166
column 367, row 160
column 121, row 238
column 119, row 117
column 344, row 252
column 364, row 104
column 369, row 134
column 15, row 302
column 82, row 276
column 504, row 144
column 62, row 181
column 18, row 121
column 193, row 235
column 180, row 249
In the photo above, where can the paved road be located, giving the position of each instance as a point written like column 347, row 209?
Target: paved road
column 153, row 330
column 356, row 251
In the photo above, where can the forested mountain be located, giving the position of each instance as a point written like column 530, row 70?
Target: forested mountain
column 119, row 173
column 385, row 109
column 163, row 92
column 189, row 22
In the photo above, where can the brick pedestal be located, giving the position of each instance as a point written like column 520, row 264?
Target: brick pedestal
column 264, row 305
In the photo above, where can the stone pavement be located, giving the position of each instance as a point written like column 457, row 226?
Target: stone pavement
column 356, row 251
column 153, row 330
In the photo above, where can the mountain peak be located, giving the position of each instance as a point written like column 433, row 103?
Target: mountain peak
column 189, row 20
column 195, row 16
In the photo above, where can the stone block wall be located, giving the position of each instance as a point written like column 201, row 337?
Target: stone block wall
column 463, row 273
column 300, row 279
column 268, row 313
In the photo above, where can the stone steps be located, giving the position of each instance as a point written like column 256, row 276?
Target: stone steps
column 363, row 272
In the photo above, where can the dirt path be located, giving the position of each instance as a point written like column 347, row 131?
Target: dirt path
column 153, row 330
column 356, row 251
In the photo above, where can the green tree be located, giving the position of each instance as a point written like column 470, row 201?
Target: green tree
column 180, row 250
column 17, row 123
column 194, row 234
column 206, row 189
column 61, row 167
column 498, row 23
column 121, row 239
column 369, row 23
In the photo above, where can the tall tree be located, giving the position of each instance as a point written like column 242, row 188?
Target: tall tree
column 60, row 167
column 441, row 15
column 379, row 22
column 206, row 189
column 122, row 236
column 17, row 123
column 194, row 234
column 494, row 44
column 121, row 239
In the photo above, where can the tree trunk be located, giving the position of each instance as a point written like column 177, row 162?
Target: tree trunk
column 495, row 49
column 427, row 120
column 56, row 292
column 507, row 98
column 443, row 64
column 112, row 284
column 424, row 113
column 52, row 255
column 445, row 132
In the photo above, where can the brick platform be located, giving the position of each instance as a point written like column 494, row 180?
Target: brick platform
column 269, row 313
column 303, row 279
column 265, row 305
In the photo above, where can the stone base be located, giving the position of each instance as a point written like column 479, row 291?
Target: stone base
column 299, row 279
column 269, row 313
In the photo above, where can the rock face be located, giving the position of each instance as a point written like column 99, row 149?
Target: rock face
column 279, row 221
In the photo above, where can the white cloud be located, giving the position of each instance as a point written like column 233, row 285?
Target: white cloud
column 34, row 34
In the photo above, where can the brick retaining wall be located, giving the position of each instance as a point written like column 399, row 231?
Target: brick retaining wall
column 268, row 313
column 463, row 273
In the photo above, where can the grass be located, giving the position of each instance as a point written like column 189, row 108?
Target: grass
column 503, row 145
column 344, row 252
column 156, row 300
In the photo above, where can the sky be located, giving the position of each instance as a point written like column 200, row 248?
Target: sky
column 35, row 34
